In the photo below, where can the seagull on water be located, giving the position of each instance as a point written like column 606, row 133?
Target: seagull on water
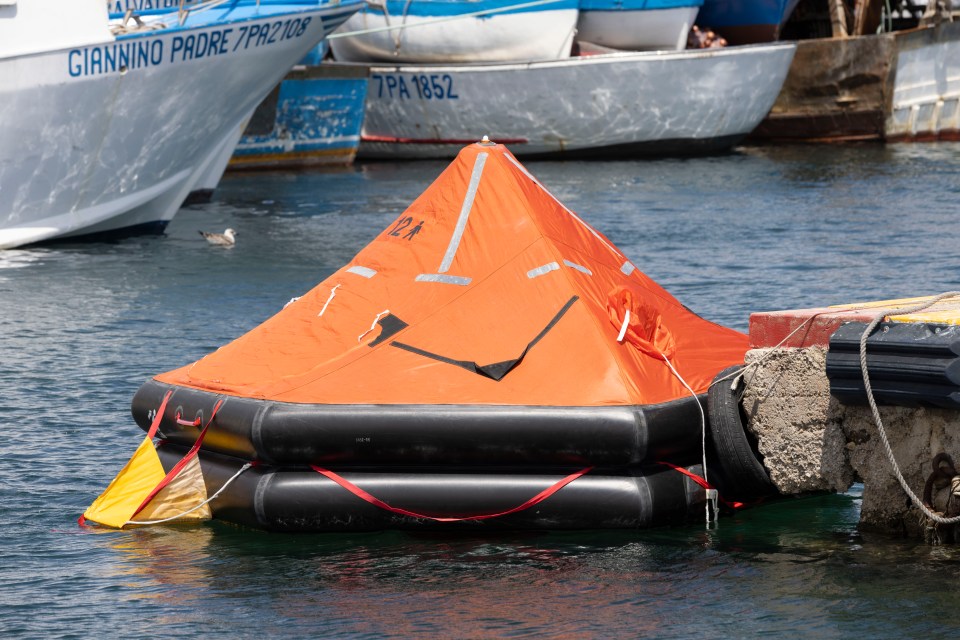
column 225, row 239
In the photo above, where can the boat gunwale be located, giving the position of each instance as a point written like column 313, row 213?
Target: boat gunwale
column 602, row 58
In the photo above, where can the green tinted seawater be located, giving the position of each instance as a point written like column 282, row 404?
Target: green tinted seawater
column 81, row 326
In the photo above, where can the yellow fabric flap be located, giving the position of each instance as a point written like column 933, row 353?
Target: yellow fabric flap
column 117, row 504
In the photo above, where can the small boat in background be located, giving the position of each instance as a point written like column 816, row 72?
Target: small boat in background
column 427, row 31
column 637, row 25
column 108, row 122
column 746, row 21
column 313, row 117
column 875, row 79
column 616, row 104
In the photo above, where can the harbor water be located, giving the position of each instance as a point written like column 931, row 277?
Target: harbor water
column 83, row 325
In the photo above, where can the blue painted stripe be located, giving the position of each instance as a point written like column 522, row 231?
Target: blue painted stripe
column 314, row 114
column 441, row 8
column 636, row 5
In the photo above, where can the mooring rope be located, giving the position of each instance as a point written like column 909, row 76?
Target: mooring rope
column 199, row 506
column 373, row 325
column 712, row 494
column 876, row 412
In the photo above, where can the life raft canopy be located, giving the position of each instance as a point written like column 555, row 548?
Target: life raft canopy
column 485, row 291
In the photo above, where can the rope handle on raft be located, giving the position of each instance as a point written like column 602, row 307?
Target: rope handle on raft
column 363, row 495
column 196, row 422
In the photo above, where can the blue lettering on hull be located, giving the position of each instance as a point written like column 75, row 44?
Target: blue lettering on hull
column 139, row 53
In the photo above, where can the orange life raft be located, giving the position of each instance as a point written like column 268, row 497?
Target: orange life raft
column 488, row 330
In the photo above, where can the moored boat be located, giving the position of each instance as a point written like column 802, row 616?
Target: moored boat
column 864, row 85
column 313, row 117
column 426, row 31
column 618, row 104
column 486, row 353
column 746, row 21
column 637, row 25
column 151, row 101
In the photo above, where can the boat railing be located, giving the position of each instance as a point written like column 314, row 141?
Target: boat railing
column 189, row 5
column 131, row 20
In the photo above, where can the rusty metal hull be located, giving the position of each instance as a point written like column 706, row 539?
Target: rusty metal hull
column 836, row 89
column 886, row 87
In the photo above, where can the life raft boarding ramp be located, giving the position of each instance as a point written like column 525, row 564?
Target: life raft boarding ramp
column 488, row 327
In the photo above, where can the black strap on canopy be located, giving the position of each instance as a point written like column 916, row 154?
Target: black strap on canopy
column 495, row 371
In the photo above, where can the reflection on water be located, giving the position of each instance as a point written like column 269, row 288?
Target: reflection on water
column 760, row 572
column 82, row 326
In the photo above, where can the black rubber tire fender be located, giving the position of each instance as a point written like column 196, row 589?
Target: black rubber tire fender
column 744, row 475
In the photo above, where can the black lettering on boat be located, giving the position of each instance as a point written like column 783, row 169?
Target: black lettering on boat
column 403, row 91
column 402, row 224
column 450, row 94
column 243, row 32
column 273, row 32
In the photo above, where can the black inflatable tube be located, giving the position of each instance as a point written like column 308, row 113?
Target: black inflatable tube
column 290, row 434
column 903, row 367
column 302, row 500
column 916, row 338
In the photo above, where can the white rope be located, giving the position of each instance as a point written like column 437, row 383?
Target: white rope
column 374, row 324
column 712, row 495
column 771, row 350
column 425, row 23
column 623, row 327
column 876, row 412
column 770, row 353
column 202, row 504
column 333, row 292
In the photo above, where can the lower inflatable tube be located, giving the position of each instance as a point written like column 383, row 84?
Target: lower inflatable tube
column 303, row 500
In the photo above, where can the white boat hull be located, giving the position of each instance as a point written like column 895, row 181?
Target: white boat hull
column 644, row 30
column 615, row 104
column 90, row 146
column 532, row 35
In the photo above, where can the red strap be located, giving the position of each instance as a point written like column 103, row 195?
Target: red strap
column 157, row 418
column 183, row 461
column 360, row 493
column 703, row 483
